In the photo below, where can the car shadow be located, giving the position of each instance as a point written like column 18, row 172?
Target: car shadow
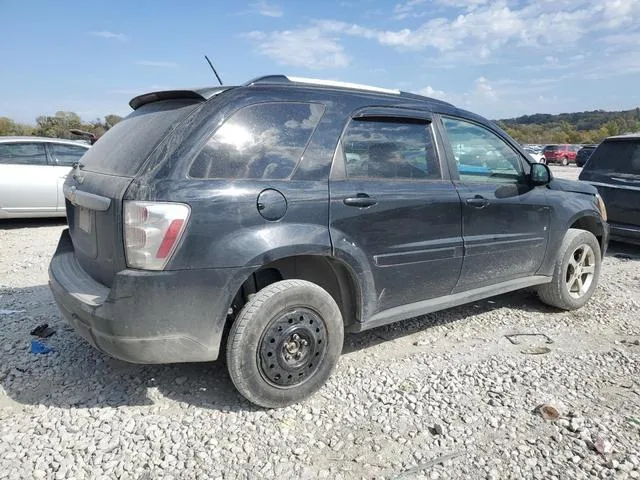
column 76, row 375
column 17, row 223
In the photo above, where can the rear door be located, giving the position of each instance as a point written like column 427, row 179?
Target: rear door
column 390, row 199
column 505, row 221
column 95, row 189
column 64, row 156
column 614, row 169
column 27, row 182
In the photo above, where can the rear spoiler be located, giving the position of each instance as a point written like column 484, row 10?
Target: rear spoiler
column 200, row 94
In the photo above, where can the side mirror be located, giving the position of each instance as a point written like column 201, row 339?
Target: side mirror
column 540, row 174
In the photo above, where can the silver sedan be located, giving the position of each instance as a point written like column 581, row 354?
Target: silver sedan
column 32, row 172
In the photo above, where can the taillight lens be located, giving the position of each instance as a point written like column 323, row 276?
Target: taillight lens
column 152, row 231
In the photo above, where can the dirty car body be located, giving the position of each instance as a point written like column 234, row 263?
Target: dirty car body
column 357, row 191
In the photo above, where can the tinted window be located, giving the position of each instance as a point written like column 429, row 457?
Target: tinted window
column 125, row 147
column 551, row 148
column 616, row 157
column 259, row 141
column 66, row 155
column 480, row 154
column 389, row 149
column 22, row 154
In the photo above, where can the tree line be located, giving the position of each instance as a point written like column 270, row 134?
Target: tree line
column 59, row 125
column 541, row 128
column 576, row 128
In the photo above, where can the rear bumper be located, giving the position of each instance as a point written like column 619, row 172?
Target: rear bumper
column 145, row 317
column 625, row 233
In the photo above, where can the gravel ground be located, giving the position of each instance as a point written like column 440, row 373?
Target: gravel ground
column 442, row 396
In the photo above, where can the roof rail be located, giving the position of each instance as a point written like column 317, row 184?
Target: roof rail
column 315, row 81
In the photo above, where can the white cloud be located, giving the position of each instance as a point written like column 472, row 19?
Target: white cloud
column 158, row 64
column 107, row 34
column 429, row 91
column 311, row 48
column 266, row 9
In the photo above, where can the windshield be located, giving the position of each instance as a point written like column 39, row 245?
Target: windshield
column 616, row 157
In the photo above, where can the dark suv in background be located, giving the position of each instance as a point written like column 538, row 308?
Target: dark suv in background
column 583, row 154
column 275, row 215
column 614, row 168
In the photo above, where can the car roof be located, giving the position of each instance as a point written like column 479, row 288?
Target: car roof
column 9, row 139
column 287, row 81
column 626, row 136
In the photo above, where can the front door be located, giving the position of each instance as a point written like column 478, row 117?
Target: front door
column 27, row 183
column 391, row 202
column 505, row 220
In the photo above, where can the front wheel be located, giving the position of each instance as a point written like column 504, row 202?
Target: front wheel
column 285, row 343
column 576, row 273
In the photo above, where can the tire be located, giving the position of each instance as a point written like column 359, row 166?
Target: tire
column 571, row 288
column 285, row 343
column 565, row 161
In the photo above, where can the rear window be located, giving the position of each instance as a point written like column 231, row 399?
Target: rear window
column 264, row 140
column 616, row 157
column 124, row 148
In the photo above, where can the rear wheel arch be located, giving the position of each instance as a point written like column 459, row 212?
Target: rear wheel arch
column 331, row 274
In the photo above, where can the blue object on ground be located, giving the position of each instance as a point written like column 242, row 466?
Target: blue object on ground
column 38, row 347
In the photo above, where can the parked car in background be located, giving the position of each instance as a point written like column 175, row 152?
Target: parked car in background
column 583, row 154
column 274, row 216
column 562, row 153
column 32, row 172
column 535, row 153
column 614, row 169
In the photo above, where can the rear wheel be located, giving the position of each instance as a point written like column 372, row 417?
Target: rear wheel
column 565, row 161
column 284, row 343
column 576, row 273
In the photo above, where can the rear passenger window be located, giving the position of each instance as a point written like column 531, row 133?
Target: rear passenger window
column 259, row 141
column 66, row 155
column 389, row 149
column 22, row 154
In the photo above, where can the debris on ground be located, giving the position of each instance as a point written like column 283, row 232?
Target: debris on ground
column 535, row 350
column 548, row 412
column 513, row 337
column 39, row 347
column 602, row 445
column 43, row 331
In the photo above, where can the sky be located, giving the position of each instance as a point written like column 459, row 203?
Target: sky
column 498, row 58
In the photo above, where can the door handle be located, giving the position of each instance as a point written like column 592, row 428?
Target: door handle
column 361, row 200
column 477, row 202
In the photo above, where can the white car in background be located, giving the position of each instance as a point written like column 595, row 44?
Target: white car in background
column 535, row 153
column 32, row 172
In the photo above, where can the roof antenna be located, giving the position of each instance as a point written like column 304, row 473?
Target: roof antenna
column 214, row 70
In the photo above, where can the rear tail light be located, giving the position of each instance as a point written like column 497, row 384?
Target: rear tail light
column 152, row 231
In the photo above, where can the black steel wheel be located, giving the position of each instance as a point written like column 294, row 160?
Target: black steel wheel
column 284, row 343
column 292, row 347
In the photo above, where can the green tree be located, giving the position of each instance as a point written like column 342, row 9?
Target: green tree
column 111, row 120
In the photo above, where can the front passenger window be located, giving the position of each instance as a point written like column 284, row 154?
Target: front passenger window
column 482, row 156
column 22, row 153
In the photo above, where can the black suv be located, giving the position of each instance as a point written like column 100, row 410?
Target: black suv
column 266, row 219
column 583, row 154
column 614, row 168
